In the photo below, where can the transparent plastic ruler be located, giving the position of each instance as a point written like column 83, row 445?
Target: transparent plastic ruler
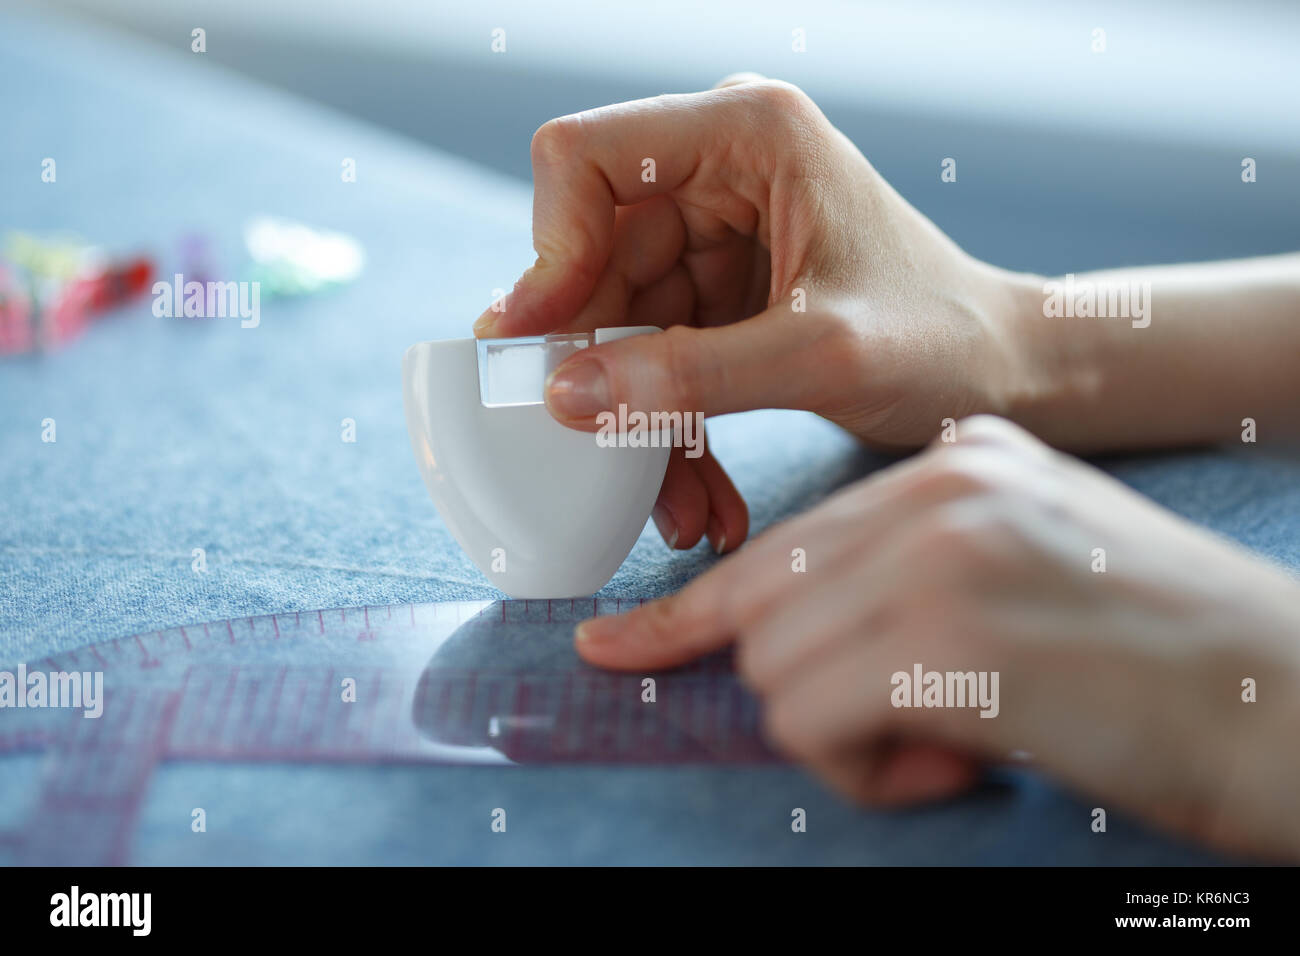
column 487, row 683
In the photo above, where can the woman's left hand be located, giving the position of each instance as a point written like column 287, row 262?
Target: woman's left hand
column 1124, row 640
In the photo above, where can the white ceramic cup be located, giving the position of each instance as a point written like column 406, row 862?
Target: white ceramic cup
column 544, row 511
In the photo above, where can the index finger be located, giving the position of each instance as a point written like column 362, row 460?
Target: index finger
column 669, row 631
column 715, row 608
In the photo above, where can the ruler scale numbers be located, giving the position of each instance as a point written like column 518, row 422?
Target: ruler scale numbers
column 474, row 683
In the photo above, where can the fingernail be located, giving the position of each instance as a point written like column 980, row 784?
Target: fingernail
column 579, row 390
column 667, row 526
column 484, row 324
column 717, row 534
column 591, row 631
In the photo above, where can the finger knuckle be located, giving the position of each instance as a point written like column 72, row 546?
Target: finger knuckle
column 661, row 617
column 784, row 104
column 967, row 541
column 954, row 473
column 995, row 431
column 683, row 389
column 556, row 141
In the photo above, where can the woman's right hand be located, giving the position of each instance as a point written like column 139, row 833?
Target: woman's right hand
column 789, row 273
column 786, row 271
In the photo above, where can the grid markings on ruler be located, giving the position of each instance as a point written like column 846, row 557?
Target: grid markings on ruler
column 96, row 773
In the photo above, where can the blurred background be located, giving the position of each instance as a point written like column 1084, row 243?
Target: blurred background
column 1068, row 158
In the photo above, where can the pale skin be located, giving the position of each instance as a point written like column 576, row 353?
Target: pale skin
column 976, row 554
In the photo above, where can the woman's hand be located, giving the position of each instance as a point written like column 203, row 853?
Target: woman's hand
column 786, row 270
column 1124, row 640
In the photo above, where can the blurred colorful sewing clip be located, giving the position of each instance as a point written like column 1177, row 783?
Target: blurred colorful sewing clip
column 51, row 289
column 292, row 259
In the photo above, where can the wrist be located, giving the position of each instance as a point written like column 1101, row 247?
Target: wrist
column 1023, row 384
column 1053, row 371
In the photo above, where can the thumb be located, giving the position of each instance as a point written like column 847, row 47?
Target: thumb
column 773, row 360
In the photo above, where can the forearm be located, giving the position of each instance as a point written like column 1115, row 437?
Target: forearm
column 1179, row 354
